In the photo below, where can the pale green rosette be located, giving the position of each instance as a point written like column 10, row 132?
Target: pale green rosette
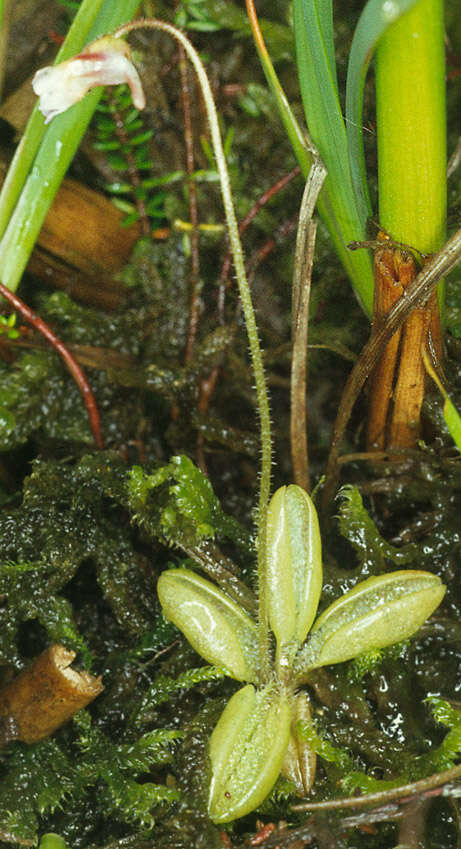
column 217, row 628
column 376, row 613
column 293, row 568
column 247, row 749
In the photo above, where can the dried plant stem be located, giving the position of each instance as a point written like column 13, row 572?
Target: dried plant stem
column 383, row 797
column 455, row 159
column 398, row 380
column 46, row 695
column 298, row 395
column 389, row 274
column 70, row 362
column 418, row 293
column 303, row 836
column 248, row 311
column 304, row 258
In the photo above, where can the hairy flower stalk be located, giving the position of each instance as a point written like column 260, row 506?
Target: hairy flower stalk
column 71, row 83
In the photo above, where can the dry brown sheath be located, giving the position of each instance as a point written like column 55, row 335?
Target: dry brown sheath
column 46, row 694
column 397, row 383
column 388, row 288
column 81, row 245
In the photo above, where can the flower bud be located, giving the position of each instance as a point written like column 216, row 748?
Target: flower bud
column 376, row 613
column 294, row 565
column 106, row 61
column 300, row 760
column 247, row 749
column 217, row 628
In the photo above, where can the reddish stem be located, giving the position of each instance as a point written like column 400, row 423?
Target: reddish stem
column 70, row 362
column 269, row 245
column 133, row 173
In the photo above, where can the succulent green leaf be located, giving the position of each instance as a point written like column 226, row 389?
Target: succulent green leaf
column 247, row 749
column 376, row 613
column 294, row 565
column 52, row 841
column 217, row 628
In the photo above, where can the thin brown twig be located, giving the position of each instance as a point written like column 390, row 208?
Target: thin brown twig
column 132, row 170
column 261, row 253
column 70, row 362
column 383, row 797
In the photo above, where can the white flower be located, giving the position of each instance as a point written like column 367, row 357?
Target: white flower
column 106, row 61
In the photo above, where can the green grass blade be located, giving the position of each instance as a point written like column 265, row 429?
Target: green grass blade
column 56, row 145
column 292, row 128
column 357, row 265
column 317, row 75
column 374, row 20
column 319, row 88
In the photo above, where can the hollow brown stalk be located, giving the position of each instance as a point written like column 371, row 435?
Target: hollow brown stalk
column 45, row 695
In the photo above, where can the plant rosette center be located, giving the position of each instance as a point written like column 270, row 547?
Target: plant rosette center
column 255, row 738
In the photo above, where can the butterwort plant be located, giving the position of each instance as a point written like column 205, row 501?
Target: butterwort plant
column 256, row 737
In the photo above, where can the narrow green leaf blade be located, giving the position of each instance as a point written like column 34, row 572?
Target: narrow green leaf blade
column 346, row 220
column 319, row 87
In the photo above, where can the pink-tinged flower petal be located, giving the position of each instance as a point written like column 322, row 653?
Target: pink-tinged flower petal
column 106, row 61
